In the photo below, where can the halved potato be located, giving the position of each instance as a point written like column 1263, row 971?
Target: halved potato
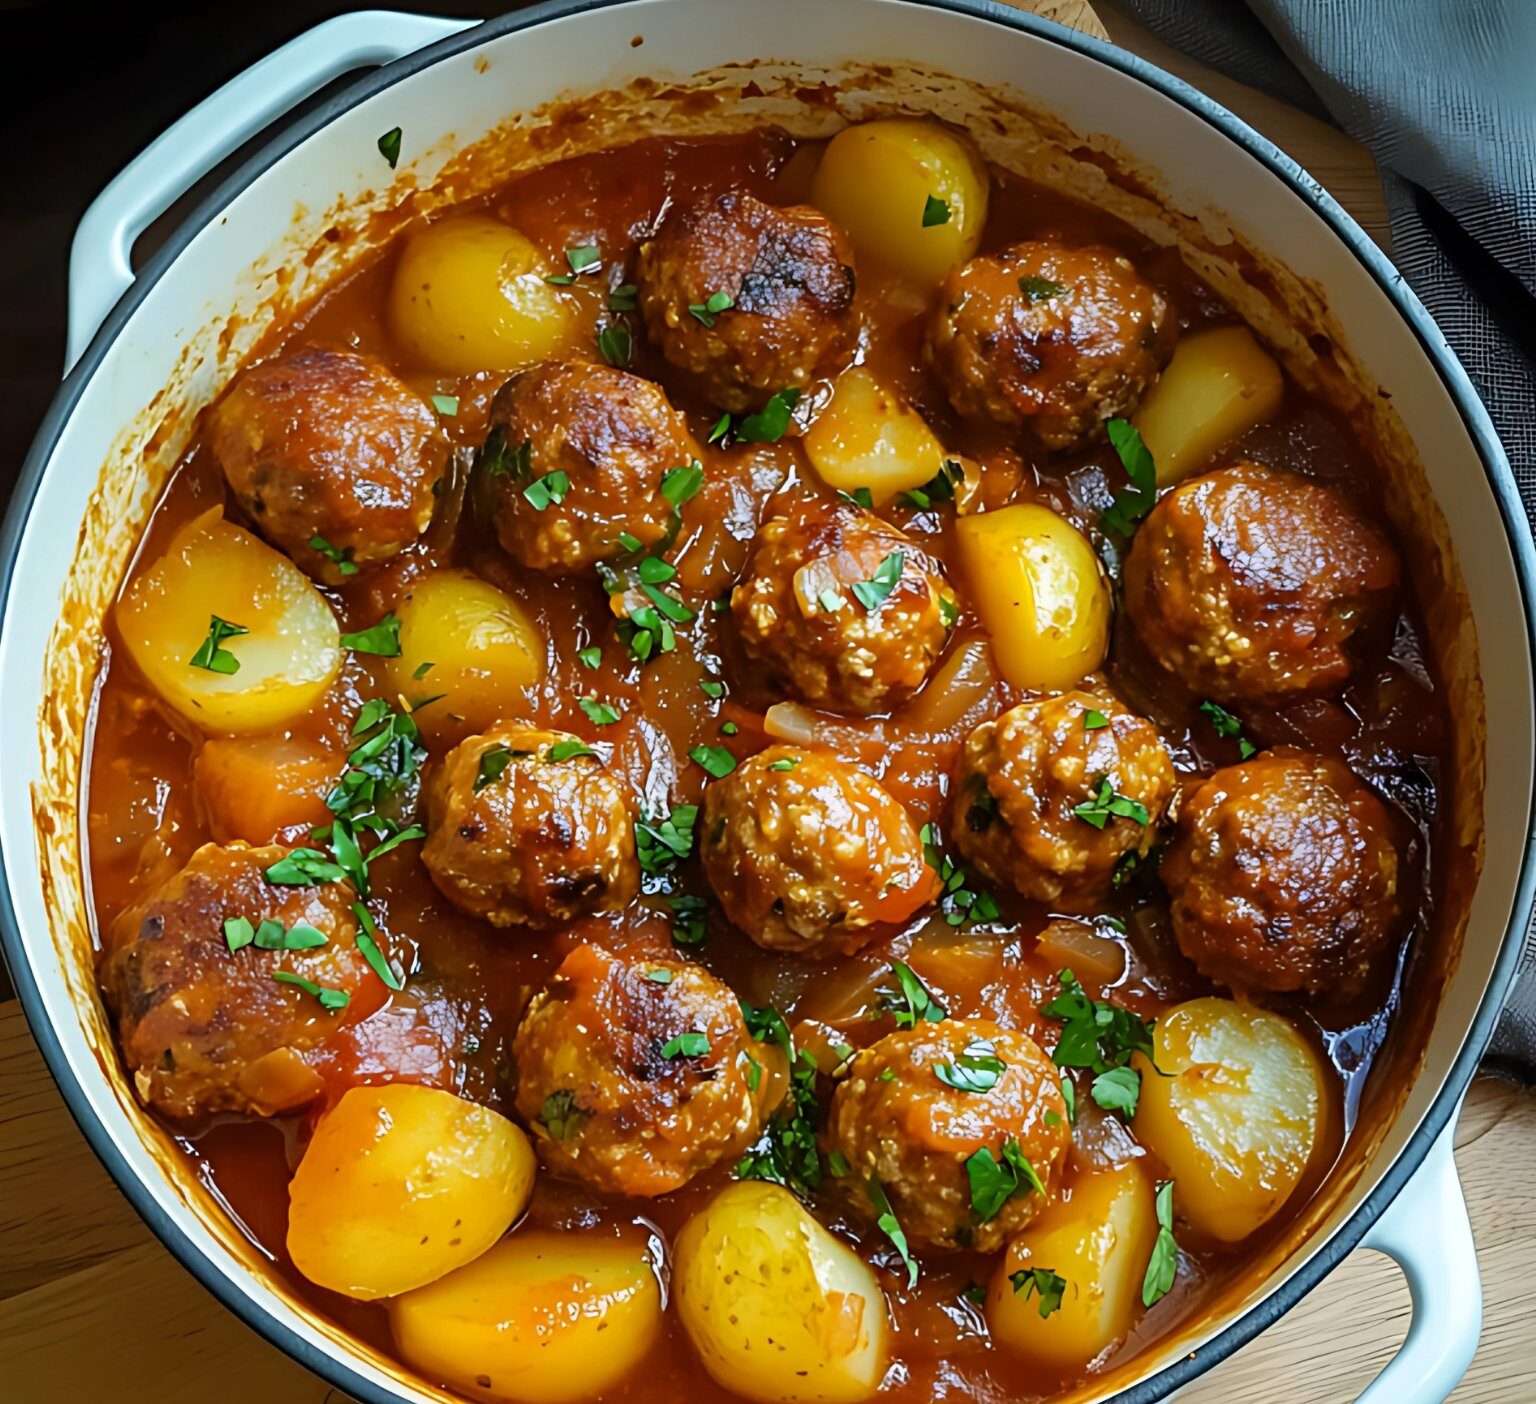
column 1098, row 1240
column 469, row 295
column 543, row 1317
column 1219, row 384
column 287, row 656
column 877, row 180
column 402, row 1184
column 482, row 648
column 870, row 437
column 777, row 1308
column 1240, row 1115
column 1041, row 593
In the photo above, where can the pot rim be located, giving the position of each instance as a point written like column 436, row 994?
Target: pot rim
column 236, row 1296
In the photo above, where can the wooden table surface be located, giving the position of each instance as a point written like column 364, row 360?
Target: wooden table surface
column 94, row 1311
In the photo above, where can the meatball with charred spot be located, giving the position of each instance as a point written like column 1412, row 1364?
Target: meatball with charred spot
column 637, row 1074
column 329, row 447
column 845, row 609
column 747, row 297
column 1050, row 339
column 1250, row 582
column 574, row 462
column 1054, row 795
column 204, row 1028
column 809, row 854
column 919, row 1107
column 527, row 827
column 1284, row 876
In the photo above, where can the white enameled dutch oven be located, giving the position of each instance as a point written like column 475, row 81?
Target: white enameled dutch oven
column 147, row 352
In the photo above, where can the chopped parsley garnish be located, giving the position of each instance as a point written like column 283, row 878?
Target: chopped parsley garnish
column 1163, row 1265
column 494, row 761
column 830, row 601
column 270, row 935
column 1094, row 720
column 837, row 1165
column 422, row 669
column 722, row 427
column 382, row 639
column 784, row 763
column 680, row 484
column 872, row 593
column 976, row 1069
column 961, row 902
column 665, row 839
column 342, row 560
column 1119, row 1089
column 552, row 487
column 304, row 867
column 568, row 750
column 1130, row 506
column 328, row 997
column 686, row 1045
column 591, row 657
column 622, row 298
column 767, row 426
column 690, row 927
column 1069, row 1096
column 389, row 146
column 1224, row 724
column 583, row 258
column 859, row 497
column 888, row 1224
column 994, row 1182
column 911, row 1002
column 210, row 655
column 935, row 211
column 387, row 759
column 446, row 405
column 786, row 1153
column 599, row 713
column 499, row 459
column 718, row 761
column 659, row 976
column 560, row 1114
column 710, row 687
column 939, row 488
column 1101, row 1037
column 711, row 307
column 1108, row 803
column 367, row 942
column 1047, row 1283
column 1037, row 289
column 616, row 345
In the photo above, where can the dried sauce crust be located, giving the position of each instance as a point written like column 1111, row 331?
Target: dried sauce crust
column 332, row 445
column 635, row 1074
column 781, row 279
column 206, row 1029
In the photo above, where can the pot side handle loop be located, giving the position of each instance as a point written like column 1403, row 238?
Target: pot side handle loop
column 99, row 268
column 1427, row 1233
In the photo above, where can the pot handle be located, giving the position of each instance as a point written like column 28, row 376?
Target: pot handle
column 1426, row 1232
column 99, row 268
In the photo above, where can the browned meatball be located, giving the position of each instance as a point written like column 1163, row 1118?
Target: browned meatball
column 529, row 828
column 1049, row 338
column 637, row 1074
column 809, row 854
column 845, row 609
column 330, row 446
column 1031, row 808
column 1249, row 582
column 788, row 275
column 206, row 1029
column 610, row 434
column 898, row 1120
column 1283, row 875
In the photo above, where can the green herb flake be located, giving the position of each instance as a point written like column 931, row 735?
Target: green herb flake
column 837, row 1165
column 722, row 427
column 1229, row 727
column 1103, row 1038
column 599, row 713
column 616, row 345
column 872, row 593
column 446, row 405
column 1048, row 1284
column 304, row 867
column 994, row 1182
column 939, row 488
column 367, row 941
column 560, row 1115
column 1037, row 289
column 591, row 657
column 786, row 1153
column 976, row 1069
column 716, row 760
column 210, row 656
column 1130, row 506
column 754, row 1072
column 686, row 1045
column 583, row 258
column 493, row 764
column 551, row 488
column 342, row 560
column 329, row 998
column 665, row 839
column 1163, row 1265
column 1094, row 720
column 622, row 298
column 729, row 728
column 568, row 750
column 678, row 485
column 712, row 688
column 769, row 424
column 1108, row 803
column 389, row 146
column 911, row 1002
column 889, row 1225
column 830, row 601
column 690, row 925
column 1117, row 1090
column 659, row 976
column 422, row 669
column 784, row 763
column 859, row 497
column 383, row 639
column 935, row 211
column 949, row 612
column 958, row 899
column 711, row 307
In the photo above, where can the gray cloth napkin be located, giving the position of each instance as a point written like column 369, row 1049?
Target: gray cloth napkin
column 1443, row 92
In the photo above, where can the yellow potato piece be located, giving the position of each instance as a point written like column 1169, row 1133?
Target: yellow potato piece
column 469, row 295
column 483, row 648
column 543, row 1317
column 777, row 1308
column 1099, row 1239
column 1219, row 384
column 401, row 1185
column 1041, row 594
column 876, row 180
column 1240, row 1116
column 869, row 437
column 286, row 660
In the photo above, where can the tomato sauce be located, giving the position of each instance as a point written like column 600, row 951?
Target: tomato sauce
column 451, row 1027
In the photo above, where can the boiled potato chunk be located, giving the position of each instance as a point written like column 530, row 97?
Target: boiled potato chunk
column 543, row 1317
column 1040, row 592
column 284, row 661
column 469, row 295
column 1239, row 1116
column 1098, row 1239
column 483, row 649
column 1219, row 384
column 876, row 180
column 869, row 437
column 777, row 1308
column 401, row 1185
